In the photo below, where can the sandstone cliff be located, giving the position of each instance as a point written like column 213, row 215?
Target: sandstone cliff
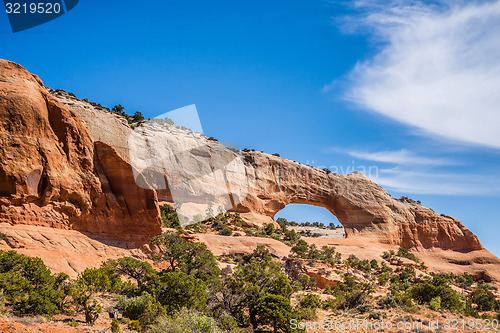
column 65, row 164
column 53, row 174
column 362, row 206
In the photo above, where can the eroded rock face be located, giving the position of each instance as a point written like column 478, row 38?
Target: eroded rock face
column 361, row 205
column 65, row 164
column 53, row 174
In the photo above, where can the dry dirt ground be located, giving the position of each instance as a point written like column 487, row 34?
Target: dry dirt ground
column 323, row 233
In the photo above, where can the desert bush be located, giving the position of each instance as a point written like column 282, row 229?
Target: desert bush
column 273, row 310
column 28, row 285
column 438, row 287
column 377, row 315
column 407, row 274
column 374, row 265
column 308, row 304
column 363, row 308
column 396, row 300
column 96, row 277
column 190, row 258
column 83, row 298
column 305, row 282
column 329, row 304
column 227, row 323
column 115, row 326
column 483, row 298
column 300, row 249
column 351, row 294
column 186, row 321
column 177, row 290
column 139, row 271
column 402, row 252
column 226, row 231
column 435, row 303
column 2, row 302
column 383, row 279
column 169, row 217
column 144, row 309
column 464, row 281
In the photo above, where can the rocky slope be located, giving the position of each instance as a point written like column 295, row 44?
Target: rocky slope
column 65, row 163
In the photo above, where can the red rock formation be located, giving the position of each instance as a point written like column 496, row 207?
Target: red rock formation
column 50, row 172
column 361, row 205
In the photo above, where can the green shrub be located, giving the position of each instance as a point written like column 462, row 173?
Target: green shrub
column 464, row 281
column 134, row 325
column 388, row 302
column 2, row 302
column 351, row 294
column 425, row 292
column 329, row 304
column 304, row 281
column 186, row 321
column 269, row 229
column 407, row 274
column 387, row 255
column 273, row 310
column 143, row 308
column 308, row 303
column 226, row 231
column 328, row 289
column 190, row 258
column 307, row 313
column 377, row 315
column 177, row 290
column 73, row 323
column 383, row 279
column 140, row 271
column 363, row 308
column 28, row 285
column 96, row 277
column 435, row 303
column 300, row 249
column 169, row 217
column 402, row 252
column 396, row 300
column 115, row 326
column 483, row 298
column 227, row 323
column 374, row 265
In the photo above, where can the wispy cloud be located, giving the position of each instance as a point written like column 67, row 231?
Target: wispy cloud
column 402, row 157
column 407, row 172
column 438, row 67
column 426, row 181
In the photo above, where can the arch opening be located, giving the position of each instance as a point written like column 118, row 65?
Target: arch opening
column 311, row 220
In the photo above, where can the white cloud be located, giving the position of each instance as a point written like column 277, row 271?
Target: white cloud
column 409, row 172
column 438, row 67
column 402, row 156
column 437, row 182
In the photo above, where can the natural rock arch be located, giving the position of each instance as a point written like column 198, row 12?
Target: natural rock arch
column 361, row 206
column 96, row 192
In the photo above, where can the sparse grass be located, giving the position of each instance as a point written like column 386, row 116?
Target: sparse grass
column 31, row 320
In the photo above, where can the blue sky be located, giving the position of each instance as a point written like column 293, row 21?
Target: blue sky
column 407, row 88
